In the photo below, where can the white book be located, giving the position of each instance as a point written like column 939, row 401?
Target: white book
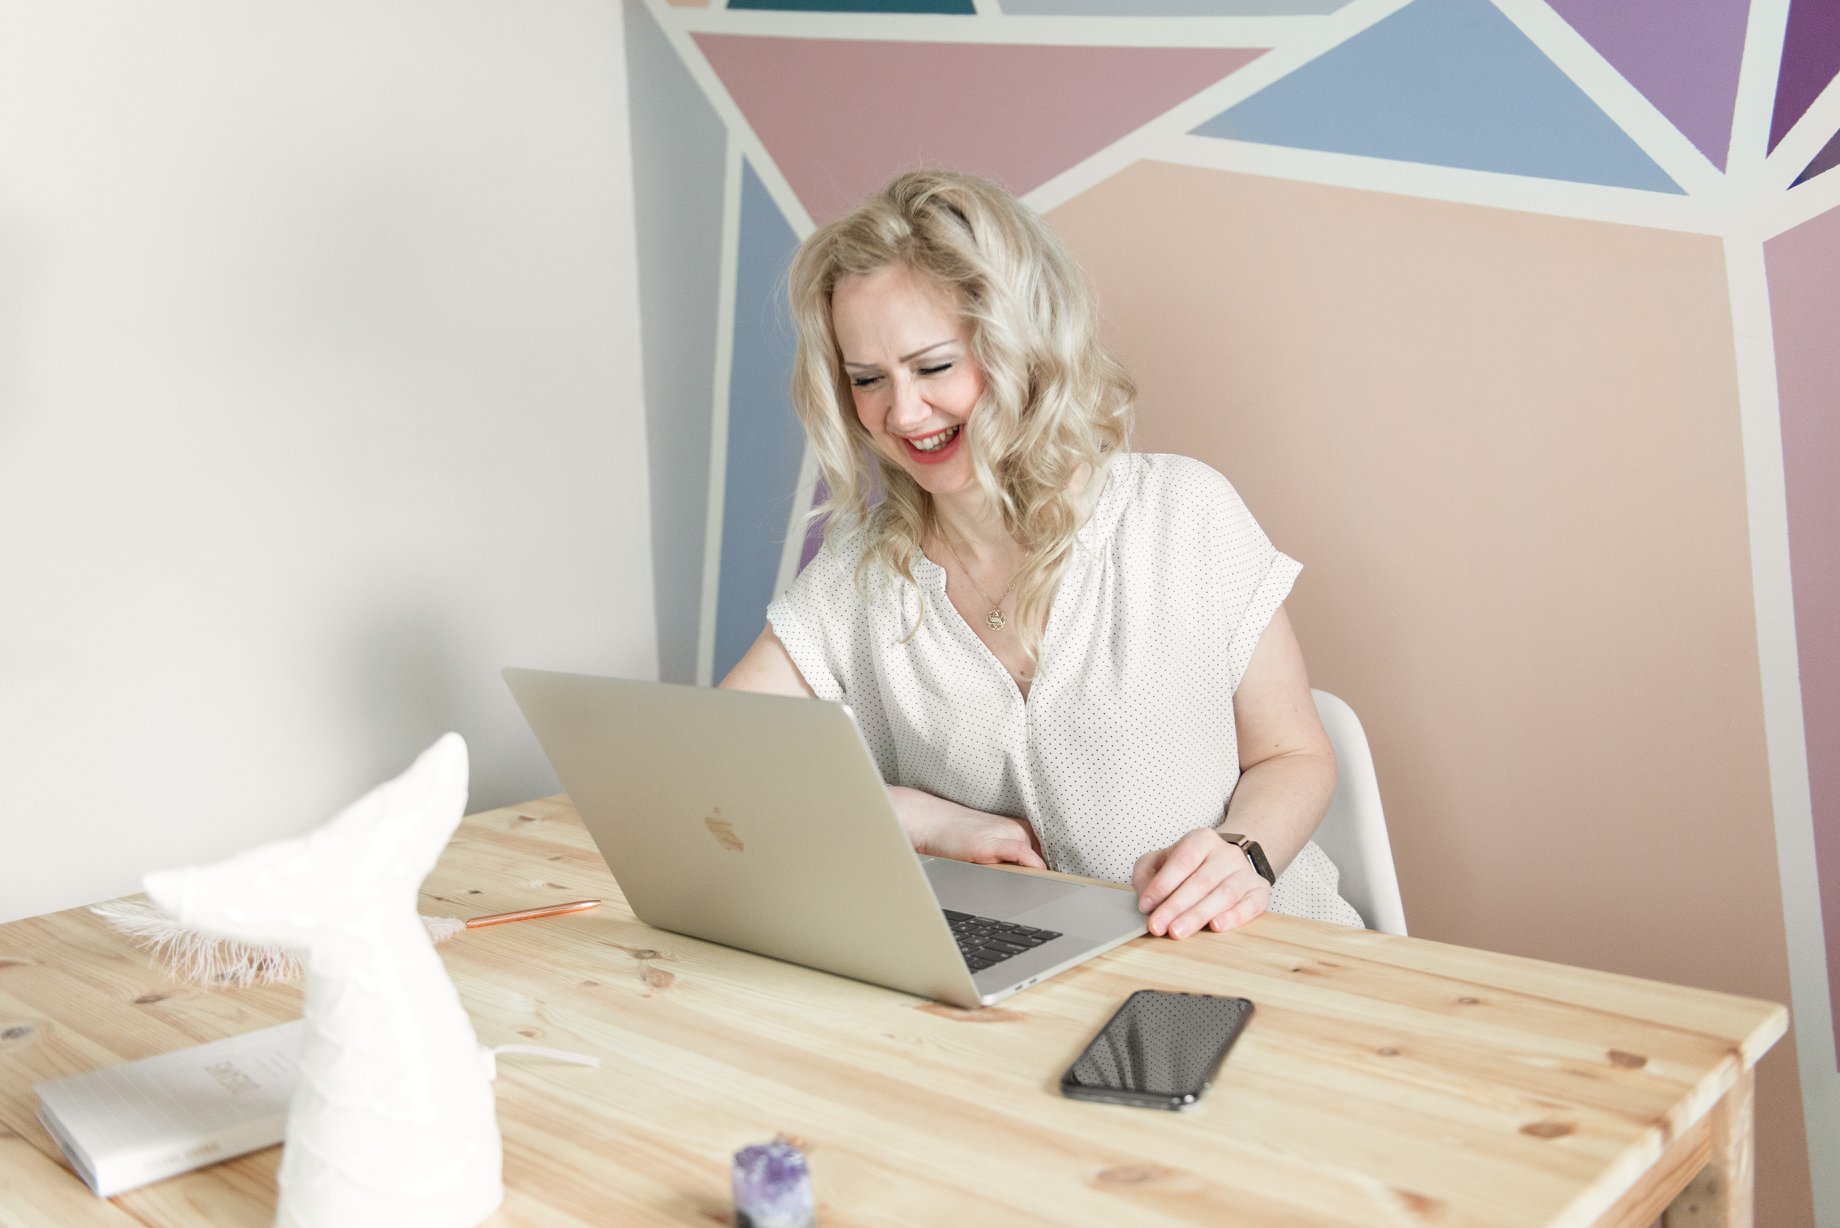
column 127, row 1125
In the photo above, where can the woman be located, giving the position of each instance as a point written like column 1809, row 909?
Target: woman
column 1061, row 654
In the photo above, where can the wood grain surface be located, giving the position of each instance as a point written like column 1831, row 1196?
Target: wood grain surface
column 1381, row 1081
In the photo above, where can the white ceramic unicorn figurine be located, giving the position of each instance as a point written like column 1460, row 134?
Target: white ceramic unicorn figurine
column 393, row 1122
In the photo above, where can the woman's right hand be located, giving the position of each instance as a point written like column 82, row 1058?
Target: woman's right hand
column 942, row 828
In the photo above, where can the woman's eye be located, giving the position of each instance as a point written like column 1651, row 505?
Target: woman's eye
column 864, row 381
column 939, row 368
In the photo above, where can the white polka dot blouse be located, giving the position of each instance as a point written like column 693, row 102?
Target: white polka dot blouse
column 1126, row 740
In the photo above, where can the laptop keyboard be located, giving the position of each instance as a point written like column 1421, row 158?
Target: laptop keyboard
column 984, row 941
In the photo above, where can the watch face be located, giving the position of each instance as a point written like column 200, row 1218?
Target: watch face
column 1254, row 854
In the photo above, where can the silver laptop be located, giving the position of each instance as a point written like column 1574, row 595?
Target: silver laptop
column 761, row 822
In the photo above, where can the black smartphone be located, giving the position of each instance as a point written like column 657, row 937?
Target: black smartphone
column 1160, row 1050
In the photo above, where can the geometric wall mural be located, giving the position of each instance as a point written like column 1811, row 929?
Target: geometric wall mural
column 1059, row 105
column 1527, row 304
column 764, row 444
column 959, row 7
column 1804, row 275
column 680, row 168
column 1809, row 62
column 1451, row 82
column 1691, row 75
column 1825, row 161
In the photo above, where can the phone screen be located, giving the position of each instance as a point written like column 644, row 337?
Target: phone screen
column 1159, row 1050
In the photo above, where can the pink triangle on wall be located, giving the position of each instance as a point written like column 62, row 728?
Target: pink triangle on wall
column 840, row 118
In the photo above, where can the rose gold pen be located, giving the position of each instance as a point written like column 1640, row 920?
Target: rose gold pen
column 530, row 914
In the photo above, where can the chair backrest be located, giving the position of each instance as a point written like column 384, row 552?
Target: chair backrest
column 1353, row 833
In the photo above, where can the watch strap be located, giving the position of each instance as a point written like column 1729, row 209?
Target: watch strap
column 1253, row 852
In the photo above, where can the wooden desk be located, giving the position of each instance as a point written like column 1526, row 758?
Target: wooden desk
column 1382, row 1081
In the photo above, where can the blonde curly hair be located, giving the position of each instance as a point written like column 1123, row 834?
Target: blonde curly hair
column 1055, row 403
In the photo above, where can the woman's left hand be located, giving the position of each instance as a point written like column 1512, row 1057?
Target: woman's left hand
column 1200, row 880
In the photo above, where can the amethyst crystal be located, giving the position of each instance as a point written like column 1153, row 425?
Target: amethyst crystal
column 772, row 1187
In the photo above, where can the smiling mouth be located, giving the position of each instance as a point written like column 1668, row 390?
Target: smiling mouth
column 932, row 443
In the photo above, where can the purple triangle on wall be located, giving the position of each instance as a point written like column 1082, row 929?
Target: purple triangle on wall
column 1810, row 59
column 1684, row 58
column 1825, row 161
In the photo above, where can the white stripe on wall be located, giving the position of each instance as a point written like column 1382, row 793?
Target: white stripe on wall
column 1300, row 43
column 718, row 420
column 1757, row 73
column 1761, row 425
column 1625, row 105
column 996, row 28
column 1802, row 142
column 678, row 25
column 1461, row 185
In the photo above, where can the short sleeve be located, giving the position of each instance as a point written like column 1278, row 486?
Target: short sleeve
column 821, row 621
column 1245, row 576
column 1274, row 585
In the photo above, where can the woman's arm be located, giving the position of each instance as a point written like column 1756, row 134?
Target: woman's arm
column 1287, row 778
column 767, row 667
column 935, row 825
column 1287, row 769
column 943, row 828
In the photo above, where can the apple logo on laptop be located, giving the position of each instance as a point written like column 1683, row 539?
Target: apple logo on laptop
column 723, row 830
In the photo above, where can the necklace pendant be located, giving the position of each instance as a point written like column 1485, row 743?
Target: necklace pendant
column 995, row 620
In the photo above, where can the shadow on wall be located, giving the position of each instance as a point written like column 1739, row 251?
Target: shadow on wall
column 406, row 681
column 410, row 684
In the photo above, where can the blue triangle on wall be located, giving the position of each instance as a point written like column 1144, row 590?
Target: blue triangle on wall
column 765, row 442
column 1451, row 83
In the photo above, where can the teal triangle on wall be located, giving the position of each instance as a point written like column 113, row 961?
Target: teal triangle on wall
column 1450, row 83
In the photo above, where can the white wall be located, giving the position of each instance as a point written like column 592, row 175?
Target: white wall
column 319, row 403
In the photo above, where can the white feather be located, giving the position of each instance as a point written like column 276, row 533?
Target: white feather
column 201, row 959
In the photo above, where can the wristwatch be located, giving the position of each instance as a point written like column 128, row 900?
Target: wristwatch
column 1253, row 852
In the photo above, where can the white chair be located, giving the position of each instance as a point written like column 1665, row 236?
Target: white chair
column 1353, row 833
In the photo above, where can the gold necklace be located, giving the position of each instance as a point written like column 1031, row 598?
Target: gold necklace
column 994, row 620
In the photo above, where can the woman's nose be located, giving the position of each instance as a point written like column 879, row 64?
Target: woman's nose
column 908, row 408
